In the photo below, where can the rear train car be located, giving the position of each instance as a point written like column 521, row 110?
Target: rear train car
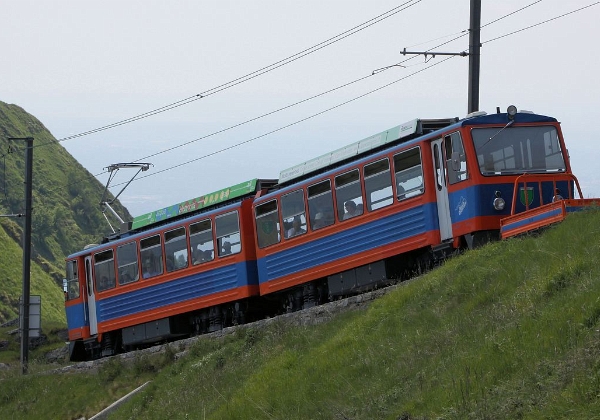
column 186, row 269
column 387, row 206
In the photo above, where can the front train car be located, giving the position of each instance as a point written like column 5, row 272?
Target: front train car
column 182, row 270
column 388, row 206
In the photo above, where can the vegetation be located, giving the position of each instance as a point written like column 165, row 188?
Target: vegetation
column 65, row 217
column 506, row 331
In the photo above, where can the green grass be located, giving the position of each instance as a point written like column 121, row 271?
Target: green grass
column 65, row 217
column 508, row 331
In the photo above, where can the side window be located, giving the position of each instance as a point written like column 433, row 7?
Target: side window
column 267, row 224
column 456, row 160
column 176, row 249
column 348, row 195
column 127, row 263
column 72, row 280
column 408, row 174
column 228, row 234
column 294, row 214
column 201, row 242
column 378, row 184
column 151, row 253
column 320, row 205
column 104, row 267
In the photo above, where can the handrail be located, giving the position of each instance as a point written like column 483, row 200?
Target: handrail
column 539, row 178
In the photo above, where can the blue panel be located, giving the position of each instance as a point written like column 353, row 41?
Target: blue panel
column 477, row 200
column 75, row 316
column 531, row 220
column 176, row 291
column 350, row 242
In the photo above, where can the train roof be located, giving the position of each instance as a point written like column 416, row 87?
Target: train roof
column 204, row 202
column 400, row 133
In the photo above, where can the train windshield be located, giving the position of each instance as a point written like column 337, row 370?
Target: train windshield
column 518, row 150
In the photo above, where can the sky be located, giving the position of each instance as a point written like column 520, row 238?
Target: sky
column 79, row 66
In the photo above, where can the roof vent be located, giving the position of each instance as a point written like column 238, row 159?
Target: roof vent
column 476, row 114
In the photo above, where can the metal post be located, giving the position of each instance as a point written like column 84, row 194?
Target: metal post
column 474, row 55
column 27, row 254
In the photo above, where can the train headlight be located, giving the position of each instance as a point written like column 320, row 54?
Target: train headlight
column 511, row 111
column 499, row 202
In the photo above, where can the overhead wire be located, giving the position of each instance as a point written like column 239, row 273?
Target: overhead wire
column 462, row 34
column 541, row 23
column 351, row 100
column 250, row 75
column 323, row 93
column 295, row 122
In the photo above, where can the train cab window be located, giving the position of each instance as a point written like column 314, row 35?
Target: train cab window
column 201, row 242
column 294, row 214
column 378, row 184
column 408, row 174
column 104, row 268
column 72, row 280
column 456, row 160
column 228, row 234
column 267, row 224
column 151, row 253
column 518, row 150
column 320, row 205
column 176, row 249
column 127, row 263
column 348, row 193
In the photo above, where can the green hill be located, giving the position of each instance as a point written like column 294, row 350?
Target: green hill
column 507, row 331
column 66, row 215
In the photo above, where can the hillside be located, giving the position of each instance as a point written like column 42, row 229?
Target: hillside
column 66, row 214
column 506, row 331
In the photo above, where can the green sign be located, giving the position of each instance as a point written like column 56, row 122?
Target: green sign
column 526, row 195
column 205, row 201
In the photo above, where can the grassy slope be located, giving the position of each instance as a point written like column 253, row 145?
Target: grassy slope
column 65, row 215
column 506, row 331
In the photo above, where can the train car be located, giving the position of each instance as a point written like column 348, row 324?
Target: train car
column 186, row 269
column 392, row 203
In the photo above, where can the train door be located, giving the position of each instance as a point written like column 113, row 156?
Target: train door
column 91, row 297
column 441, row 190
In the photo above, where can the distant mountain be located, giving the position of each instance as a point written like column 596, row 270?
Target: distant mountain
column 66, row 212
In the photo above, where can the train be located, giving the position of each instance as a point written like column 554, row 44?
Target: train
column 369, row 214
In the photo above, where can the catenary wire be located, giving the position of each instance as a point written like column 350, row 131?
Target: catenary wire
column 462, row 34
column 179, row 165
column 329, row 109
column 251, row 75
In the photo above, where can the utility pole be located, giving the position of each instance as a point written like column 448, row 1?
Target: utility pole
column 474, row 55
column 26, row 253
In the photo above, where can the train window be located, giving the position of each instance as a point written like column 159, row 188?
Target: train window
column 128, row 263
column 348, row 193
column 320, row 205
column 267, row 224
column 176, row 249
column 378, row 184
column 518, row 150
column 151, row 253
column 228, row 233
column 104, row 267
column 294, row 214
column 439, row 170
column 201, row 242
column 409, row 173
column 72, row 280
column 456, row 160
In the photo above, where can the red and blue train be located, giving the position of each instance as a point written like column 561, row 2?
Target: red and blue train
column 374, row 212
